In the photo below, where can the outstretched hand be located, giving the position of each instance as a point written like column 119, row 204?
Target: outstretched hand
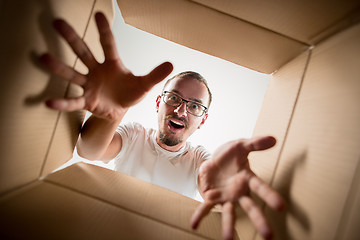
column 109, row 87
column 227, row 179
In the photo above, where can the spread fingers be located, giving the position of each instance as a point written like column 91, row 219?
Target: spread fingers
column 62, row 70
column 228, row 220
column 256, row 216
column 266, row 193
column 200, row 213
column 71, row 104
column 76, row 43
column 106, row 37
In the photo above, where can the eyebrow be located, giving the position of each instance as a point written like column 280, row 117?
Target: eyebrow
column 192, row 99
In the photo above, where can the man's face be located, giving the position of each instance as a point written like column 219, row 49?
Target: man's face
column 175, row 123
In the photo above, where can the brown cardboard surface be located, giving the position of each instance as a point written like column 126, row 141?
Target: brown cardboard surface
column 68, row 125
column 135, row 196
column 349, row 226
column 305, row 20
column 318, row 166
column 52, row 212
column 26, row 125
column 213, row 32
column 311, row 107
column 274, row 119
column 276, row 113
column 85, row 201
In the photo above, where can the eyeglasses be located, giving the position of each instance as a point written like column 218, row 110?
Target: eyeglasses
column 192, row 107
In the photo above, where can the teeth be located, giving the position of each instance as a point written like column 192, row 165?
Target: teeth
column 177, row 123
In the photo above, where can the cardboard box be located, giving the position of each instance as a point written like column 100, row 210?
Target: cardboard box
column 311, row 106
column 82, row 201
column 89, row 202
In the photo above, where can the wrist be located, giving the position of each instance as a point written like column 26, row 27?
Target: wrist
column 111, row 117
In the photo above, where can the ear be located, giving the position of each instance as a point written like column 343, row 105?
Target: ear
column 158, row 103
column 203, row 120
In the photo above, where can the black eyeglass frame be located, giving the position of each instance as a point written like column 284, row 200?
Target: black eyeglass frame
column 184, row 100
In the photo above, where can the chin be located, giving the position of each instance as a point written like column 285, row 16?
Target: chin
column 169, row 141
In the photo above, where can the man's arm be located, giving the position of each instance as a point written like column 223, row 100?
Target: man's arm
column 110, row 89
column 98, row 139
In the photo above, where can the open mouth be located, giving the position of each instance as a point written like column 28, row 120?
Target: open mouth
column 176, row 124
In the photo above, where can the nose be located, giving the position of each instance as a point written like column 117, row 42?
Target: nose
column 181, row 110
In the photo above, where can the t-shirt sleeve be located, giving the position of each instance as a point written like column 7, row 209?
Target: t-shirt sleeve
column 201, row 155
column 125, row 131
column 128, row 133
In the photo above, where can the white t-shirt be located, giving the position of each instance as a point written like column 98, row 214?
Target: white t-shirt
column 143, row 158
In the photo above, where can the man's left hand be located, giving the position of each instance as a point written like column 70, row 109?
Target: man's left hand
column 227, row 179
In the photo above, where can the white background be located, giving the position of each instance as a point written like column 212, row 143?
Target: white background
column 237, row 92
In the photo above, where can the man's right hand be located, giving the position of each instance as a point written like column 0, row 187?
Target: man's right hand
column 109, row 87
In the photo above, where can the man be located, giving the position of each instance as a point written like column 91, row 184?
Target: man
column 110, row 90
column 164, row 157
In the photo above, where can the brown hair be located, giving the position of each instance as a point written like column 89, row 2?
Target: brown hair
column 194, row 75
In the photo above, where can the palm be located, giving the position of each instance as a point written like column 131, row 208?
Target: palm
column 215, row 181
column 219, row 173
column 227, row 179
column 109, row 87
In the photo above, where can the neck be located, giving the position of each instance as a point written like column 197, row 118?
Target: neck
column 174, row 148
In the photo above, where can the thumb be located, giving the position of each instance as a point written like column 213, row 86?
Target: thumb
column 157, row 75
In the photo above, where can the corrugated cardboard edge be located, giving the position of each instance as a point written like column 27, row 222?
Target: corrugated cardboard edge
column 159, row 204
column 48, row 211
column 306, row 217
column 106, row 189
column 281, row 97
column 264, row 50
column 28, row 125
column 349, row 223
column 339, row 16
column 69, row 123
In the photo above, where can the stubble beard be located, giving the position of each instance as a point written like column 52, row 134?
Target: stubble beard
column 167, row 138
column 168, row 141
